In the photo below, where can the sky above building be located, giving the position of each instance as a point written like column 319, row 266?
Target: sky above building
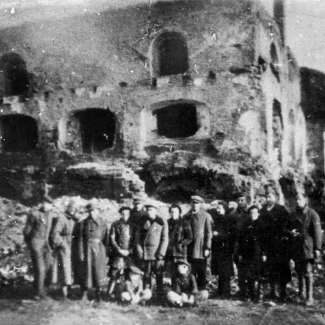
column 306, row 32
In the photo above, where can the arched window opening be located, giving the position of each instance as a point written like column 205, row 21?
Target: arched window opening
column 18, row 133
column 277, row 128
column 15, row 76
column 97, row 129
column 177, row 120
column 170, row 54
column 275, row 68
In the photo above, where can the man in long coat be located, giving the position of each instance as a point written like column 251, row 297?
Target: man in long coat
column 200, row 247
column 61, row 236
column 240, row 216
column 180, row 236
column 151, row 241
column 36, row 234
column 274, row 218
column 92, row 249
column 222, row 248
column 306, row 235
column 121, row 238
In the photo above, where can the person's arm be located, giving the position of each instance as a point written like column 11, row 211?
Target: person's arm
column 28, row 229
column 137, row 243
column 317, row 232
column 188, row 234
column 56, row 233
column 207, row 236
column 163, row 241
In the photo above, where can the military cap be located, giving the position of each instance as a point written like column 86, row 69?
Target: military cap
column 90, row 206
column 242, row 194
column 180, row 262
column 151, row 204
column 135, row 270
column 124, row 208
column 270, row 190
column 197, row 198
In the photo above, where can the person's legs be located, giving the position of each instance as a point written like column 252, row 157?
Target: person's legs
column 175, row 299
column 309, row 276
column 113, row 273
column 37, row 254
column 201, row 267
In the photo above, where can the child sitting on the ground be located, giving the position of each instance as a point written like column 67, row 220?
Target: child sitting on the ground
column 184, row 290
column 132, row 290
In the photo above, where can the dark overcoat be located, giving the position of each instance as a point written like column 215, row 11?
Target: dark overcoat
column 222, row 245
column 275, row 232
column 120, row 238
column 307, row 223
column 151, row 239
column 180, row 236
column 201, row 224
column 92, row 249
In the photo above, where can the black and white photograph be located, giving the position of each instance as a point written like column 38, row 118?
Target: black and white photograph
column 162, row 162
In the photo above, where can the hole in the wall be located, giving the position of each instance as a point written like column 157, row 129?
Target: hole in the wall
column 169, row 54
column 123, row 84
column 177, row 120
column 262, row 63
column 15, row 75
column 97, row 129
column 212, row 75
column 18, row 133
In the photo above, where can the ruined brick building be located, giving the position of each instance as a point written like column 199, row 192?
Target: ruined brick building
column 110, row 97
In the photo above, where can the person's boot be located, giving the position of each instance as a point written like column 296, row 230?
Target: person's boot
column 283, row 292
column 64, row 293
column 84, row 294
column 110, row 290
column 98, row 294
column 309, row 290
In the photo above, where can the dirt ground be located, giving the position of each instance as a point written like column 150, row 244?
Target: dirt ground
column 18, row 308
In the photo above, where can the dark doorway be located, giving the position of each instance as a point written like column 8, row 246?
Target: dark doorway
column 18, row 133
column 97, row 128
column 177, row 120
column 15, row 76
column 172, row 54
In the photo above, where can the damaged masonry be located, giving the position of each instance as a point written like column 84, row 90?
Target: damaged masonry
column 90, row 104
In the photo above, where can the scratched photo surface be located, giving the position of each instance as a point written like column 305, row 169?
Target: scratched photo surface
column 162, row 162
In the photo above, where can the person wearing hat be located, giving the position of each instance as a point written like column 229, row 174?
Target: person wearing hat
column 184, row 288
column 180, row 236
column 151, row 241
column 132, row 290
column 306, row 239
column 92, row 243
column 274, row 218
column 120, row 247
column 200, row 247
column 138, row 212
column 36, row 234
column 61, row 238
column 239, row 217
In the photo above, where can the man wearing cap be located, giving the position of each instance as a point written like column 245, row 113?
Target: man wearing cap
column 61, row 238
column 151, row 241
column 36, row 234
column 138, row 213
column 274, row 219
column 92, row 243
column 306, row 234
column 120, row 246
column 200, row 247
column 239, row 217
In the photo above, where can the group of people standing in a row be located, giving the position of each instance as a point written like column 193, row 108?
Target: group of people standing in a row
column 142, row 246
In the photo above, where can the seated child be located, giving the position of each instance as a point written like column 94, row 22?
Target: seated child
column 252, row 256
column 132, row 290
column 184, row 288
